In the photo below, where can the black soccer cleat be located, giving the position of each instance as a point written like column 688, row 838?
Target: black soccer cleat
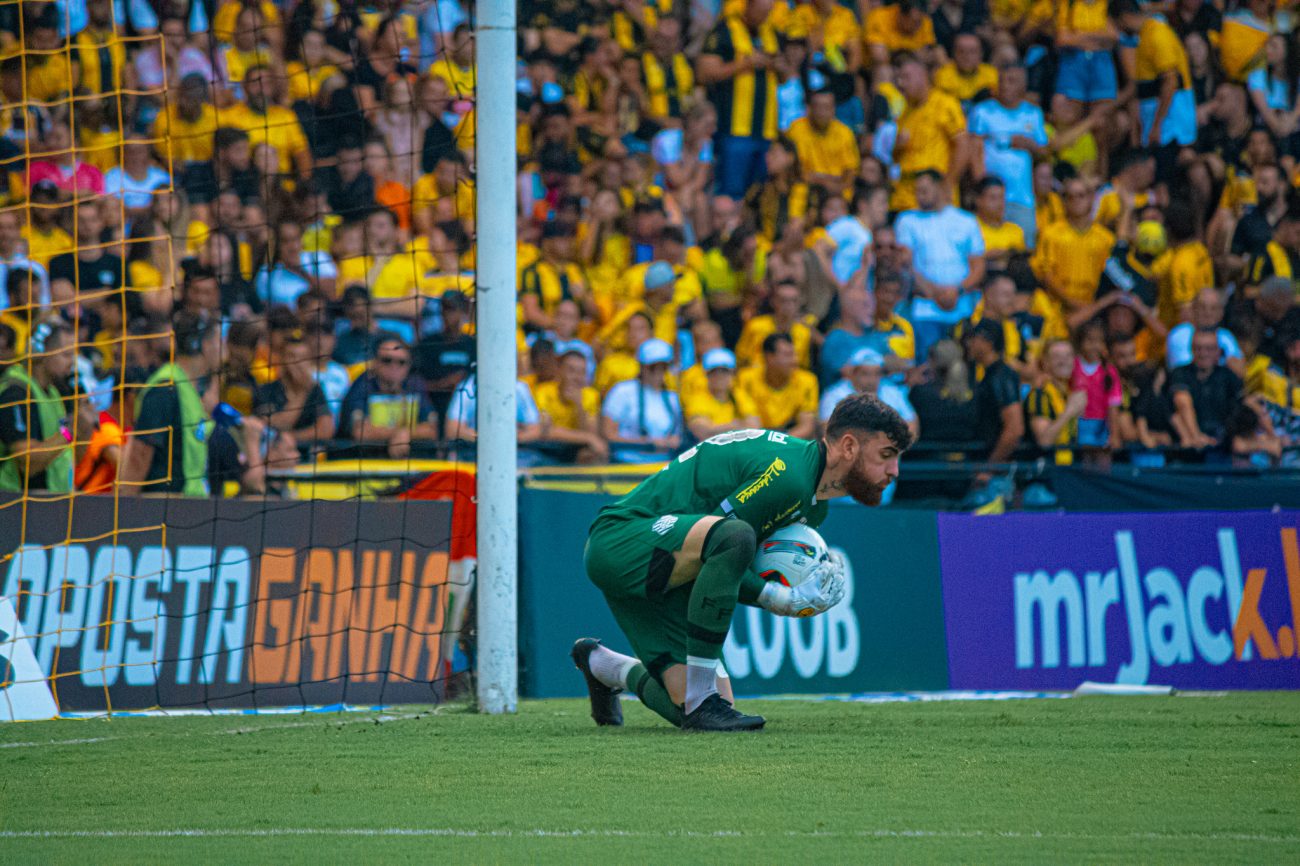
column 715, row 714
column 606, row 708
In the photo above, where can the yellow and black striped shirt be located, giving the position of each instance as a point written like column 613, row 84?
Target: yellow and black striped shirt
column 668, row 86
column 746, row 102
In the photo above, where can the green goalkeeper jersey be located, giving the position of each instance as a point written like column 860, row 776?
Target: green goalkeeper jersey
column 766, row 478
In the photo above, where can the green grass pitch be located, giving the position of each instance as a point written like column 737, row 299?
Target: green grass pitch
column 1178, row 779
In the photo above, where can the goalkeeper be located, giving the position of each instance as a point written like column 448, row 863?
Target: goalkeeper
column 673, row 556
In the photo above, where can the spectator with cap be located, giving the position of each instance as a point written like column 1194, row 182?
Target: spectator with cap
column 785, row 394
column 866, row 376
column 719, row 406
column 657, row 304
column 642, row 418
column 387, row 405
column 570, row 409
column 999, row 419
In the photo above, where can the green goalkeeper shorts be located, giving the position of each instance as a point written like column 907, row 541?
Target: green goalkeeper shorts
column 630, row 559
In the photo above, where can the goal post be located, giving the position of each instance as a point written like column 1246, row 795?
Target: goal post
column 497, row 649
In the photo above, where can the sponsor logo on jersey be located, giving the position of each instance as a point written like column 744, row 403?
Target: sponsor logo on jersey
column 776, row 468
column 665, row 523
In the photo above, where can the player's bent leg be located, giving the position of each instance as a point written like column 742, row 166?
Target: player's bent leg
column 726, row 554
column 605, row 672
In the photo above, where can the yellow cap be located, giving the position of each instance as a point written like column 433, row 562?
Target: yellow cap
column 1151, row 238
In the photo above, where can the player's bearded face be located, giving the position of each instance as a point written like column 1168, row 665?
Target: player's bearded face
column 866, row 481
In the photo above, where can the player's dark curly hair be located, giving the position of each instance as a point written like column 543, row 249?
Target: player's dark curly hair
column 864, row 413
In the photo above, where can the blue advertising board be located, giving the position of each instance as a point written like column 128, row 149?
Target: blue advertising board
column 887, row 635
column 1202, row 600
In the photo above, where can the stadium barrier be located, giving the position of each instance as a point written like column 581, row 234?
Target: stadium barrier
column 161, row 602
column 886, row 636
column 1198, row 600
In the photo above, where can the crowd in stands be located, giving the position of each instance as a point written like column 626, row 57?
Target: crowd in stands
column 237, row 234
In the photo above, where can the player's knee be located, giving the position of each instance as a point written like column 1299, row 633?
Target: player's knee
column 733, row 539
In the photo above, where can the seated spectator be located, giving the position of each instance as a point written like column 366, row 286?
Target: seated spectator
column 294, row 405
column 866, row 376
column 944, row 402
column 999, row 419
column 706, row 335
column 387, row 405
column 1206, row 313
column 719, row 406
column 462, row 417
column 570, row 409
column 642, row 418
column 1205, row 394
column 13, row 256
column 1251, row 438
column 92, row 268
column 137, row 178
column 620, row 365
column 330, row 375
column 785, row 395
column 359, row 332
column 294, row 271
column 1053, row 409
column 444, row 359
column 57, row 163
column 231, row 169
column 850, row 333
column 787, row 306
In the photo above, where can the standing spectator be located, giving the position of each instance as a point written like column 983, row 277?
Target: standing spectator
column 1072, row 252
column 999, row 419
column 944, row 402
column 1205, row 394
column 851, row 332
column 1003, row 239
column 931, row 133
column 1189, row 269
column 738, row 69
column 947, row 248
column 1014, row 135
column 388, row 405
column 1095, row 376
column 828, row 150
column 1165, row 109
column 641, row 418
column 786, row 396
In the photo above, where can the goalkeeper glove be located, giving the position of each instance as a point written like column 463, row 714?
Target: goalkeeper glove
column 823, row 589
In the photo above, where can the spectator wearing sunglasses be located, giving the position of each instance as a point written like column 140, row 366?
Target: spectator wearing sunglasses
column 387, row 405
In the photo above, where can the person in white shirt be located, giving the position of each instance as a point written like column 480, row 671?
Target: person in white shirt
column 294, row 271
column 946, row 244
column 1206, row 312
column 136, row 179
column 642, row 418
column 462, row 417
column 1014, row 134
column 866, row 375
column 852, row 239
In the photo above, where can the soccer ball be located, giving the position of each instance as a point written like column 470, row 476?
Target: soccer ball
column 789, row 555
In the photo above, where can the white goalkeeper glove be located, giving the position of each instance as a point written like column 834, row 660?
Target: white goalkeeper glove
column 823, row 589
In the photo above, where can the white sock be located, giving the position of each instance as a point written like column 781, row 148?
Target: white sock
column 701, row 681
column 610, row 668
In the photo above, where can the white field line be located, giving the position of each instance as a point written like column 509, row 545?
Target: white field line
column 316, row 723
column 451, row 832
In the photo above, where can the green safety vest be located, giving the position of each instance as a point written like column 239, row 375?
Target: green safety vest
column 50, row 409
column 196, row 427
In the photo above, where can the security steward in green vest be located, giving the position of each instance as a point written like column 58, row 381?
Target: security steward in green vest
column 168, row 450
column 36, row 429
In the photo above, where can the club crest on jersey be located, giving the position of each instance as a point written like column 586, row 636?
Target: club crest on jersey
column 665, row 523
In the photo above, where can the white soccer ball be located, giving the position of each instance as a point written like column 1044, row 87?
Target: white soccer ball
column 789, row 555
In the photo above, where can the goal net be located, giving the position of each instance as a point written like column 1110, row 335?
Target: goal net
column 237, row 279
